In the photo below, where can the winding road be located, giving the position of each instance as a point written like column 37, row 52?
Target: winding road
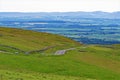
column 61, row 52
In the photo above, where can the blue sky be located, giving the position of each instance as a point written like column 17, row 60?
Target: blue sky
column 59, row 5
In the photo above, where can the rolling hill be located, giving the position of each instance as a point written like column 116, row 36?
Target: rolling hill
column 30, row 55
column 26, row 41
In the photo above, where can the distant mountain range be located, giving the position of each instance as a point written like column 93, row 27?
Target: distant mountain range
column 59, row 15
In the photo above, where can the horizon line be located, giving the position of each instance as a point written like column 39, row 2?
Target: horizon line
column 52, row 11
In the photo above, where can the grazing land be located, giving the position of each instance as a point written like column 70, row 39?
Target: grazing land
column 29, row 55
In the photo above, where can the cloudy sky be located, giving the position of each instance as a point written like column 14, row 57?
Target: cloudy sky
column 59, row 5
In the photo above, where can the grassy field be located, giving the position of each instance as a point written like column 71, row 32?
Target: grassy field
column 15, row 75
column 85, row 62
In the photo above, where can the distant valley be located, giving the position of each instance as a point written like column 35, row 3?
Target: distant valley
column 85, row 27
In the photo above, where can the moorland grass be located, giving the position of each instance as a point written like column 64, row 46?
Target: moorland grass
column 85, row 62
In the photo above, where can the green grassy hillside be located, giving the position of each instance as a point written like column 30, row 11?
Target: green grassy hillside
column 85, row 62
column 24, row 40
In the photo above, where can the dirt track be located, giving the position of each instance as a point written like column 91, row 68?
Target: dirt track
column 61, row 52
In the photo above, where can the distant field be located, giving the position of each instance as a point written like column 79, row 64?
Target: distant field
column 85, row 62
column 85, row 30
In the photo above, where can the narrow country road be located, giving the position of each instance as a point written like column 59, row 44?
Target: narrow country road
column 61, row 52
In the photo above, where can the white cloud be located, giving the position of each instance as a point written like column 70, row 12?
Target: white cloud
column 59, row 5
